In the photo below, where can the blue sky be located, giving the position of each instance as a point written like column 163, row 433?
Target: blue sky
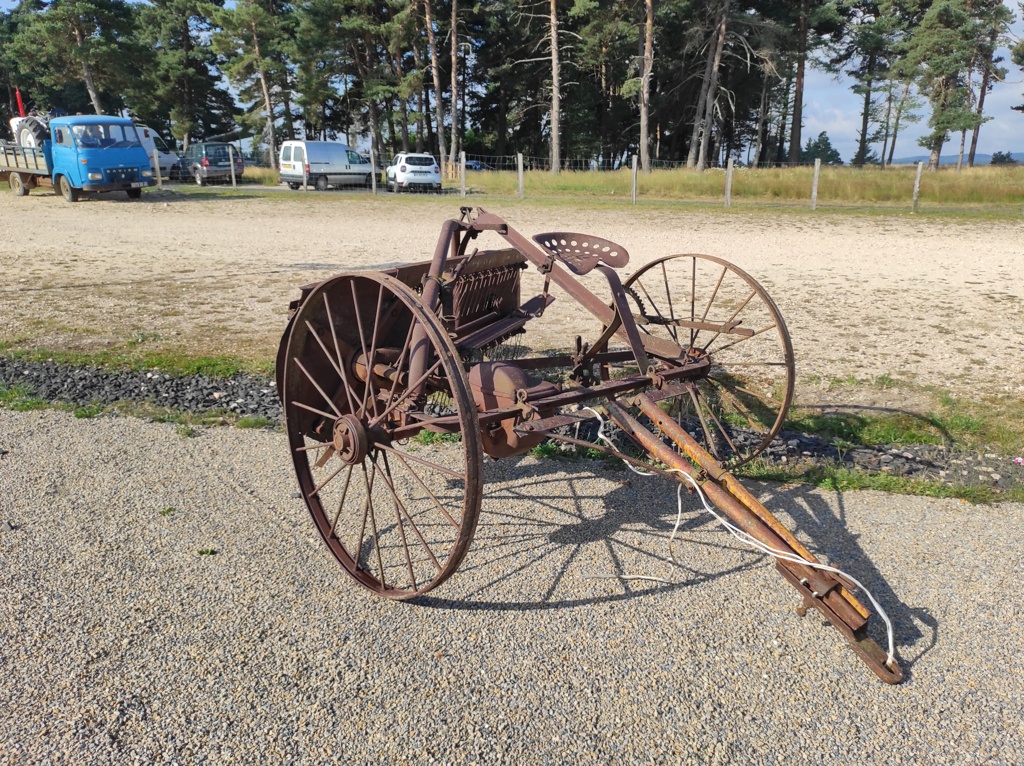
column 830, row 106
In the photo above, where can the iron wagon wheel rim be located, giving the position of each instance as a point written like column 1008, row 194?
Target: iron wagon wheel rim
column 782, row 343
column 393, row 462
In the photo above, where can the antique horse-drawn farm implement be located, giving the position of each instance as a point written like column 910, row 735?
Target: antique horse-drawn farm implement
column 691, row 361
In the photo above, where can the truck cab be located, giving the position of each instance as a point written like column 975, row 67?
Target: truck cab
column 97, row 153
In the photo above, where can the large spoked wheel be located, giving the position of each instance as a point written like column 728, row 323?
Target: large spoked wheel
column 383, row 432
column 724, row 320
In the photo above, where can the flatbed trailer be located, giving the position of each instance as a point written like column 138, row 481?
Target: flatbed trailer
column 24, row 167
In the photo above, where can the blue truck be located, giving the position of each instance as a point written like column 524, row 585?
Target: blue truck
column 76, row 155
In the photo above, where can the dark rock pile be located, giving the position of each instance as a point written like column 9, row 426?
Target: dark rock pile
column 250, row 395
column 238, row 395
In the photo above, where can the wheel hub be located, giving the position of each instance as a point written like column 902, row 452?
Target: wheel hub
column 351, row 441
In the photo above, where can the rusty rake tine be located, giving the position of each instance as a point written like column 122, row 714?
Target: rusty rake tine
column 317, row 387
column 739, row 406
column 349, row 392
column 426, row 489
column 721, row 428
column 727, row 321
column 344, row 494
column 412, row 524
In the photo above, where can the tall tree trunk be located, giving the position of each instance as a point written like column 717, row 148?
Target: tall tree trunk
column 860, row 158
column 698, row 117
column 645, row 87
column 265, row 86
column 762, row 120
column 888, row 117
column 936, row 152
column 798, row 93
column 419, row 100
column 87, row 78
column 436, row 72
column 896, row 124
column 556, row 93
column 986, row 78
column 455, row 86
column 780, row 150
column 709, row 102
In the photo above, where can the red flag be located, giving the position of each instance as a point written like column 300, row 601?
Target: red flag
column 21, row 104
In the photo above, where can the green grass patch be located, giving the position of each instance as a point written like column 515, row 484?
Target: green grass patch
column 839, row 478
column 132, row 355
column 428, row 438
column 207, row 551
column 167, row 512
column 20, row 399
column 254, row 421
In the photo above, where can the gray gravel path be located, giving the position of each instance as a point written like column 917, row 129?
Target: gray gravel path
column 120, row 643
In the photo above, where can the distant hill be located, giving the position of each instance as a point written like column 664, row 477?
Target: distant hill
column 950, row 159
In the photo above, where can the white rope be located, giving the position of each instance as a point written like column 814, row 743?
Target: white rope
column 743, row 537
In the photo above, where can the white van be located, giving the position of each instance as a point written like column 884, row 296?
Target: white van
column 322, row 164
column 151, row 141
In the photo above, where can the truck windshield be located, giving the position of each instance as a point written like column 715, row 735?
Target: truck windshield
column 105, row 136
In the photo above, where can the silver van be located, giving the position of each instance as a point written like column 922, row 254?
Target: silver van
column 322, row 164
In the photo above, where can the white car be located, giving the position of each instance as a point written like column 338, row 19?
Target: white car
column 413, row 171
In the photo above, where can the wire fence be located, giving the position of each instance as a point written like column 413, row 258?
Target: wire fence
column 903, row 188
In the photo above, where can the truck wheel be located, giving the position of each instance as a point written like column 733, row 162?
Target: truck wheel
column 293, row 186
column 70, row 192
column 134, row 193
column 18, row 185
column 321, row 183
column 368, row 181
column 200, row 181
column 31, row 132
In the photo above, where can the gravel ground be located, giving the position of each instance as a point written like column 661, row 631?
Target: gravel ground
column 121, row 643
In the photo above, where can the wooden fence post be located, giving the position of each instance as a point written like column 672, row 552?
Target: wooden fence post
column 156, row 167
column 373, row 172
column 814, row 184
column 231, row 161
column 634, row 178
column 728, row 183
column 917, row 184
column 462, row 174
column 519, row 170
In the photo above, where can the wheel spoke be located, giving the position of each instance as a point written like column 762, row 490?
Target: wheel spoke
column 303, row 406
column 373, row 347
column 362, row 344
column 711, row 301
column 409, row 391
column 720, row 349
column 349, row 391
column 434, row 466
column 412, row 524
column 727, row 321
column 426, row 489
column 398, row 519
column 316, row 385
column 341, row 502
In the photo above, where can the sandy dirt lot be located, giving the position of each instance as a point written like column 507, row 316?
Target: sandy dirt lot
column 927, row 300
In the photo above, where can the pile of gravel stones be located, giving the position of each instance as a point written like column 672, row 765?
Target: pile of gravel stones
column 255, row 396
